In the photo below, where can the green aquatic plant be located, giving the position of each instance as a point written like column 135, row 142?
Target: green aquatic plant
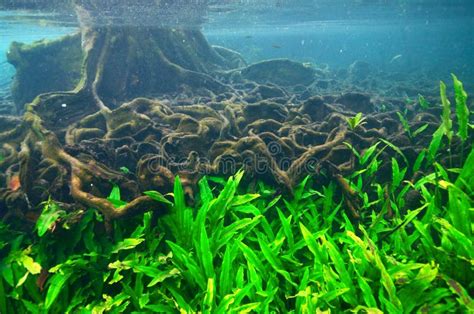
column 237, row 250
column 462, row 110
column 243, row 247
column 424, row 104
column 125, row 170
column 407, row 128
column 447, row 123
column 462, row 113
column 355, row 121
column 50, row 214
column 115, row 197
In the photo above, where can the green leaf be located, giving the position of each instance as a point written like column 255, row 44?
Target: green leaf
column 243, row 225
column 56, row 284
column 247, row 308
column 385, row 278
column 29, row 263
column 179, row 300
column 446, row 116
column 365, row 287
column 397, row 174
column 244, row 199
column 423, row 102
column 368, row 153
column 420, row 129
column 412, row 292
column 463, row 295
column 157, row 196
column 466, row 179
column 312, row 244
column 435, row 142
column 3, row 297
column 355, row 121
column 462, row 110
column 341, row 269
column 274, row 260
column 31, row 307
column 163, row 275
column 252, row 258
column 205, row 191
column 208, row 301
column 225, row 276
column 463, row 241
column 50, row 214
column 127, row 244
column 178, row 193
column 184, row 261
column 159, row 308
column 114, row 197
column 206, row 255
column 143, row 300
column 219, row 207
column 182, row 219
column 352, row 148
column 419, row 161
column 124, row 170
column 405, row 124
column 286, row 226
column 396, row 149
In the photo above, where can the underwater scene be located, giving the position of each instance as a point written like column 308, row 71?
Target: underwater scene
column 236, row 156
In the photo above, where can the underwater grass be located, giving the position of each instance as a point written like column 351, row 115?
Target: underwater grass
column 254, row 251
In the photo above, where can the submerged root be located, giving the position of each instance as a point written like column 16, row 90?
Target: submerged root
column 74, row 145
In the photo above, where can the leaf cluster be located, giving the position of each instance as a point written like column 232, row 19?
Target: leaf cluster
column 240, row 249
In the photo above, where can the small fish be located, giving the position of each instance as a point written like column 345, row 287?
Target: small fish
column 134, row 80
column 395, row 58
column 14, row 183
column 276, row 46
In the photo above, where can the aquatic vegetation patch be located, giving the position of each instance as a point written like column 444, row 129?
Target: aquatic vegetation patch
column 239, row 250
column 235, row 195
column 341, row 241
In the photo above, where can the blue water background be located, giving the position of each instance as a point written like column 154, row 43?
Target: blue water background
column 437, row 39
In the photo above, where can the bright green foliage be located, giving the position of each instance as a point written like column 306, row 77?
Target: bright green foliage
column 424, row 104
column 253, row 250
column 446, row 117
column 115, row 198
column 124, row 170
column 462, row 111
column 355, row 121
column 406, row 126
column 245, row 252
column 47, row 220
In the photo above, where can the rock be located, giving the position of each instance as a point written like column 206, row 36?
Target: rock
column 360, row 70
column 281, row 72
column 317, row 109
column 268, row 91
column 45, row 66
column 265, row 110
column 356, row 102
column 233, row 57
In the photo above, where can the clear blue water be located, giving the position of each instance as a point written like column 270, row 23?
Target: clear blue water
column 433, row 37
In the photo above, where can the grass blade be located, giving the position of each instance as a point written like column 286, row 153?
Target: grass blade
column 462, row 110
